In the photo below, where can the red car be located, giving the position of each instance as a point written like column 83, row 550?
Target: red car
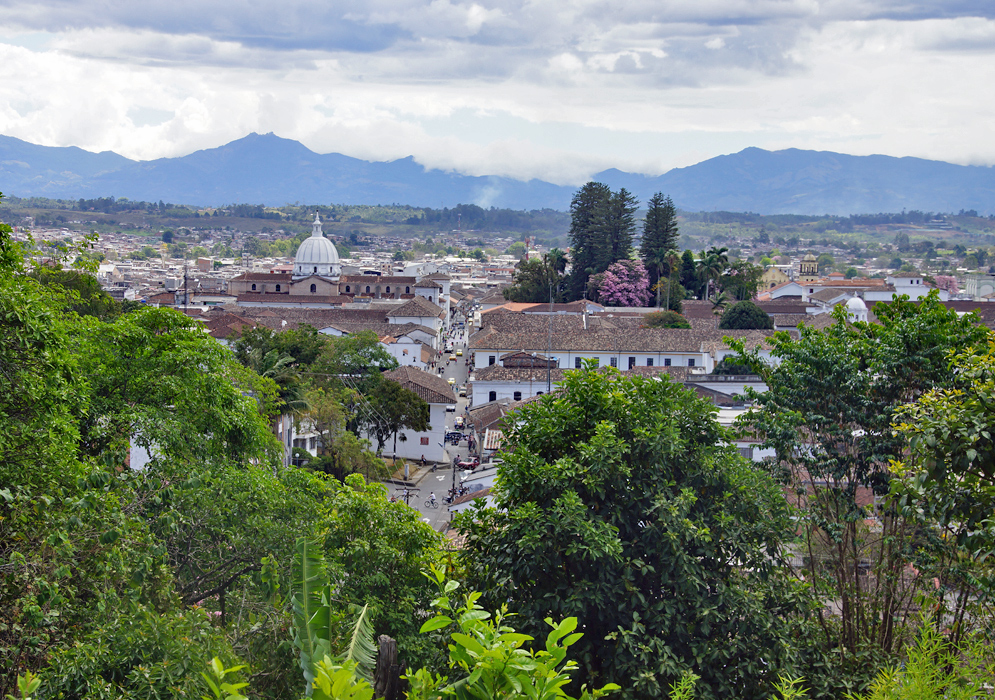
column 471, row 465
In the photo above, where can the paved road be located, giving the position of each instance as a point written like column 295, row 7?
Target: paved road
column 442, row 480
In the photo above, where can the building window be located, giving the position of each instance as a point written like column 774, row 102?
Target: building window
column 649, row 361
column 367, row 289
column 492, row 396
column 666, row 362
column 388, row 290
column 424, row 441
column 691, row 362
column 314, row 288
column 518, row 396
column 347, row 288
column 576, row 363
column 597, row 362
column 491, row 359
column 407, row 290
column 538, row 393
column 278, row 288
column 315, row 268
column 632, row 362
column 253, row 287
column 613, row 361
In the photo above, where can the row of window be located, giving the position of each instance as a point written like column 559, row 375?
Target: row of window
column 491, row 359
column 632, row 362
column 517, row 396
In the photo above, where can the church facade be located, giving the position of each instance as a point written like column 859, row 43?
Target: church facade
column 317, row 282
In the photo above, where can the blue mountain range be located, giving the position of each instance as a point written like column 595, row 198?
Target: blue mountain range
column 267, row 169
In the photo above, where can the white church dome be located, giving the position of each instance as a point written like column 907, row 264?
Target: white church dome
column 856, row 304
column 316, row 255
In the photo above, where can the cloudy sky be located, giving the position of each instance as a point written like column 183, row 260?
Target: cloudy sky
column 554, row 89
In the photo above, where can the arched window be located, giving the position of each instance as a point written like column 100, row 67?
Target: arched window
column 314, row 288
column 315, row 268
column 367, row 289
column 253, row 287
column 430, row 298
column 347, row 288
column 518, row 396
column 492, row 396
column 278, row 288
column 407, row 290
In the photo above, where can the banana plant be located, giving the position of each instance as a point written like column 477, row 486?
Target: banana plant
column 316, row 624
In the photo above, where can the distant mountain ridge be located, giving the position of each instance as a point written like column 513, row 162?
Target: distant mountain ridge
column 267, row 169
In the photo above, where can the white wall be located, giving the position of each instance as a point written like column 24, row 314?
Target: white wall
column 413, row 448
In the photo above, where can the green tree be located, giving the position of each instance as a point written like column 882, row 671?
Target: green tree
column 390, row 408
column 157, row 379
column 84, row 295
column 826, row 263
column 381, row 566
column 742, row 280
column 535, row 280
column 828, row 415
column 618, row 227
column 660, row 235
column 689, row 273
column 665, row 319
column 516, row 249
column 745, row 315
column 621, row 503
column 588, row 209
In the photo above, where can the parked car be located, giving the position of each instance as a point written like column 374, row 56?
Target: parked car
column 471, row 465
column 462, row 390
column 451, row 408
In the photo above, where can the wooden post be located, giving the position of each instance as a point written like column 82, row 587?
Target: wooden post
column 387, row 675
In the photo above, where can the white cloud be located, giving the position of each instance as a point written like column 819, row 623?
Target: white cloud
column 527, row 88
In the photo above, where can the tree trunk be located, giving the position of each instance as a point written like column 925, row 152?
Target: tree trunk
column 386, row 676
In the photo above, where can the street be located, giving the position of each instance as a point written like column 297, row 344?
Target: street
column 445, row 477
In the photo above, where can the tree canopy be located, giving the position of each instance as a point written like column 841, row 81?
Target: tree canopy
column 618, row 504
column 745, row 315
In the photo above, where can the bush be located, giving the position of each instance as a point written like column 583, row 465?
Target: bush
column 746, row 316
column 665, row 319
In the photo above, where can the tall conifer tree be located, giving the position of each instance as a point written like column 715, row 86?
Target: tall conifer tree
column 659, row 234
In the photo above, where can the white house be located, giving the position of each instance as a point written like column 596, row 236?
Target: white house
column 434, row 390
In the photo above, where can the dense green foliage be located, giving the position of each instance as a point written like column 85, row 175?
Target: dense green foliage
column 660, row 237
column 828, row 413
column 665, row 319
column 538, row 280
column 602, row 226
column 746, row 315
column 619, row 505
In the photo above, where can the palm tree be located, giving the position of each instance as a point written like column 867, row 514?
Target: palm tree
column 659, row 259
column 279, row 366
column 711, row 264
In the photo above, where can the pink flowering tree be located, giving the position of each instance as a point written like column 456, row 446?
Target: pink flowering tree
column 947, row 283
column 625, row 283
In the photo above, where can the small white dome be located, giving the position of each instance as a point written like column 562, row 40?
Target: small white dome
column 856, row 304
column 316, row 255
